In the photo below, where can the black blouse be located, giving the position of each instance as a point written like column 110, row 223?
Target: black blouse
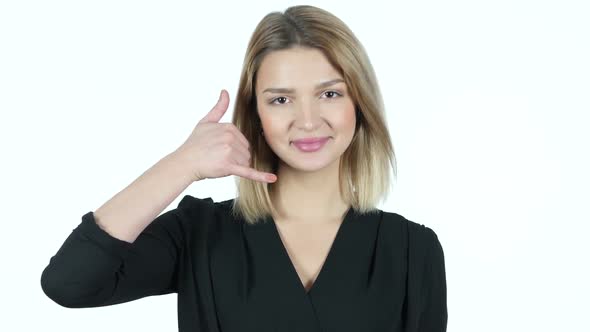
column 383, row 273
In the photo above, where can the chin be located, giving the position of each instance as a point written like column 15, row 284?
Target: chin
column 311, row 162
column 309, row 167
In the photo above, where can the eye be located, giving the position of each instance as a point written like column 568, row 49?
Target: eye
column 278, row 98
column 331, row 92
column 336, row 92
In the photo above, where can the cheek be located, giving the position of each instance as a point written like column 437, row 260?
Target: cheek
column 271, row 125
column 265, row 121
column 272, row 121
column 274, row 130
column 347, row 119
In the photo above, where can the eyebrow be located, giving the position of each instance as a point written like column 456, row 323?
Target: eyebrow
column 319, row 86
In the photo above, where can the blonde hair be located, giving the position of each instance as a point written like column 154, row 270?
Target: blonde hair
column 364, row 167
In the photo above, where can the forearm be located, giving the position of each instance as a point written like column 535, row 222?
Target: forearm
column 131, row 210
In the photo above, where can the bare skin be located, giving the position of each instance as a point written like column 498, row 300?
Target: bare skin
column 307, row 197
column 212, row 150
column 307, row 189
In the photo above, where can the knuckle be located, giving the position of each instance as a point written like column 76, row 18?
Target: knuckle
column 226, row 169
column 228, row 136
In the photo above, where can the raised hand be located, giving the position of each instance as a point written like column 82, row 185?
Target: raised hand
column 217, row 149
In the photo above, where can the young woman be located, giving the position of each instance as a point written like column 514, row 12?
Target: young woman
column 302, row 247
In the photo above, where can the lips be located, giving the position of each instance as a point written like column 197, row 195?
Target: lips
column 311, row 140
column 312, row 144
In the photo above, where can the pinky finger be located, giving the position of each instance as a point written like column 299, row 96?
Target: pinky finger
column 251, row 173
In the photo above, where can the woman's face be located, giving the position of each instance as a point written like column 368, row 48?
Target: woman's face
column 293, row 104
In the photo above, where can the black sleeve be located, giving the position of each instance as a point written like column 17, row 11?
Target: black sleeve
column 434, row 315
column 93, row 268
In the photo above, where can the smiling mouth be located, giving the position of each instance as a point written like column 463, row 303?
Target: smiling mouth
column 309, row 140
column 313, row 146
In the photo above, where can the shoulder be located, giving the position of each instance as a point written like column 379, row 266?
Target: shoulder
column 418, row 231
column 420, row 239
column 205, row 211
column 425, row 273
column 191, row 204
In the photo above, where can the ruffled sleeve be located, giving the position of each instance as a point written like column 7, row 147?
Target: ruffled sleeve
column 93, row 268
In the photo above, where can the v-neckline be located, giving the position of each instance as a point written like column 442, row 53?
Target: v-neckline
column 328, row 262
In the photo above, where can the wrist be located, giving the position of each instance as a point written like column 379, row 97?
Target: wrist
column 179, row 166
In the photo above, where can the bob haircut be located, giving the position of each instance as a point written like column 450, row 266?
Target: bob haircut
column 364, row 176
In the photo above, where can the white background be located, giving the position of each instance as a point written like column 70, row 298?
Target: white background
column 487, row 103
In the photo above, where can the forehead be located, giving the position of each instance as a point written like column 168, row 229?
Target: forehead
column 296, row 67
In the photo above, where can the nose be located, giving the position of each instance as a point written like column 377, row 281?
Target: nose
column 307, row 116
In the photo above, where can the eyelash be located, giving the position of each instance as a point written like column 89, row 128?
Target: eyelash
column 272, row 102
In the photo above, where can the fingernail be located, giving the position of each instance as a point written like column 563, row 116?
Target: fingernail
column 220, row 94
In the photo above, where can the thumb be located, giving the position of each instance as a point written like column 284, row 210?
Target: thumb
column 217, row 112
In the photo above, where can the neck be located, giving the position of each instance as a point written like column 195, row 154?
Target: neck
column 309, row 197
